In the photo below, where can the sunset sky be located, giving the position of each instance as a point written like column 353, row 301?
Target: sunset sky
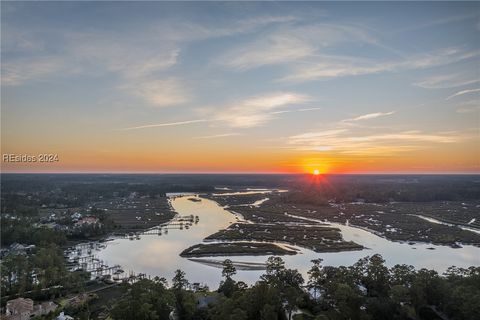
column 242, row 87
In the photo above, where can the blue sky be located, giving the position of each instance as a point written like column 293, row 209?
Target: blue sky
column 282, row 83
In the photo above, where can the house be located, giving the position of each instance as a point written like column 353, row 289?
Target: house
column 17, row 247
column 44, row 308
column 21, row 248
column 19, row 309
column 64, row 316
column 76, row 216
column 23, row 309
column 78, row 300
column 87, row 221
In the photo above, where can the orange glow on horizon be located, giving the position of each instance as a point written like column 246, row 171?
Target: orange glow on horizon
column 213, row 159
column 315, row 166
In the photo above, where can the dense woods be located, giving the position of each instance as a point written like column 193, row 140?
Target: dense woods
column 366, row 290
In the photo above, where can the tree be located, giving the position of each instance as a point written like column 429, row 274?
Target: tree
column 316, row 277
column 373, row 274
column 146, row 312
column 228, row 269
column 238, row 314
column 186, row 305
column 260, row 295
column 268, row 312
column 241, row 286
column 347, row 301
column 291, row 299
column 427, row 288
column 144, row 300
column 402, row 275
column 399, row 294
column 179, row 281
column 227, row 287
column 291, row 278
column 275, row 266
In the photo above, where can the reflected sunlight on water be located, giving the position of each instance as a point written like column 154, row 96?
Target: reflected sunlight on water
column 159, row 255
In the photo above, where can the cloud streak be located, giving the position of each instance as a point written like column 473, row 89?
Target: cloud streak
column 159, row 93
column 348, row 141
column 448, row 80
column 292, row 43
column 251, row 112
column 167, row 124
column 296, row 110
column 216, row 136
column 370, row 116
column 139, row 58
column 274, row 50
column 258, row 110
column 463, row 92
column 329, row 67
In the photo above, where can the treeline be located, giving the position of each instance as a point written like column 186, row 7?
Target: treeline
column 19, row 199
column 42, row 275
column 23, row 231
column 92, row 191
column 366, row 290
column 443, row 188
column 24, row 193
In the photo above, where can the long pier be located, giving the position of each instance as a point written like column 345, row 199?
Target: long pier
column 81, row 256
column 178, row 222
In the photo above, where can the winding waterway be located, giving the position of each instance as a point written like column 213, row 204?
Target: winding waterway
column 159, row 255
column 432, row 220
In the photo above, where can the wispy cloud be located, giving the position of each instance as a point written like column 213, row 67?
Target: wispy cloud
column 309, row 137
column 296, row 110
column 91, row 53
column 348, row 141
column 369, row 116
column 251, row 112
column 215, row 136
column 470, row 106
column 21, row 70
column 449, row 80
column 133, row 54
column 159, row 93
column 192, row 31
column 273, row 50
column 166, row 124
column 257, row 110
column 332, row 67
column 138, row 59
column 293, row 43
column 440, row 21
column 463, row 92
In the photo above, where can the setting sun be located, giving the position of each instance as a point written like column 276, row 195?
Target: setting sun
column 316, row 172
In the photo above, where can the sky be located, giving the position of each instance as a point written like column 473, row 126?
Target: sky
column 274, row 87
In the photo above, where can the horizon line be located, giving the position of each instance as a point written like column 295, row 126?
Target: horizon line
column 241, row 173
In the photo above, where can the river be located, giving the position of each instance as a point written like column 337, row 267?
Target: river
column 159, row 255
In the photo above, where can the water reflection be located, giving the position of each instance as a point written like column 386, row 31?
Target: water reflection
column 159, row 255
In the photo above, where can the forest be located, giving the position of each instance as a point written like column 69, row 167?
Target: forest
column 366, row 290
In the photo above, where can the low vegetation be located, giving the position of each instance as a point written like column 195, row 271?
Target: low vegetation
column 235, row 249
column 316, row 238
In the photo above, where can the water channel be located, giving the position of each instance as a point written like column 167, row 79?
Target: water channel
column 158, row 255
